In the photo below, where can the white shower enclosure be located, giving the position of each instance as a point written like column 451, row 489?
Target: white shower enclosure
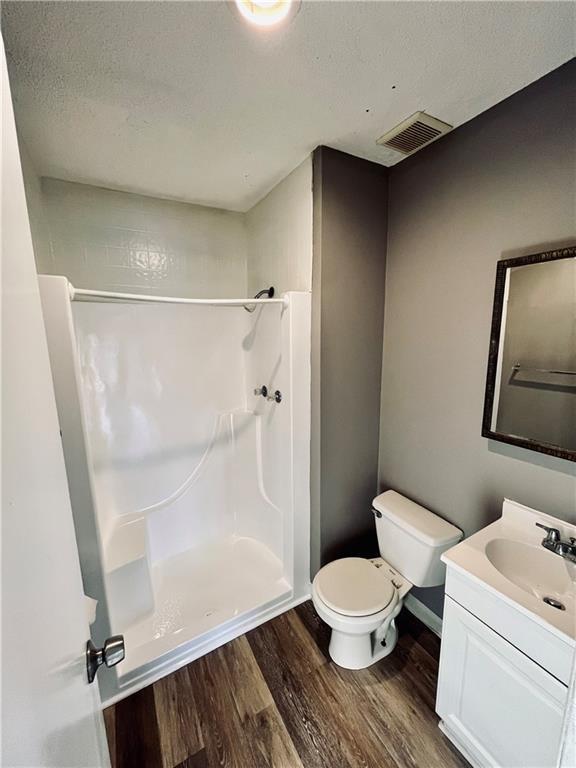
column 190, row 492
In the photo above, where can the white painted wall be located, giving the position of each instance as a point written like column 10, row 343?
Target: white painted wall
column 279, row 231
column 36, row 211
column 110, row 240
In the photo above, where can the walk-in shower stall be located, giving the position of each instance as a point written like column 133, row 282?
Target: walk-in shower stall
column 189, row 486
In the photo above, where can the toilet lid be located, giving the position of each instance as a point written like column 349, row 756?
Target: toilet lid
column 353, row 586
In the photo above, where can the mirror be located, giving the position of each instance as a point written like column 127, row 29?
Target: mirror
column 531, row 381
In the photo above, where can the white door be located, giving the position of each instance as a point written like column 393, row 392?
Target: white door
column 50, row 715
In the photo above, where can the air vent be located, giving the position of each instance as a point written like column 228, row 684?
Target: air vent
column 414, row 133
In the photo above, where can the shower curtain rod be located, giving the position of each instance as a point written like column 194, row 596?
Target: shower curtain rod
column 83, row 294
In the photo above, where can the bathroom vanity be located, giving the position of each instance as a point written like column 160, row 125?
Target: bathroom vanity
column 508, row 640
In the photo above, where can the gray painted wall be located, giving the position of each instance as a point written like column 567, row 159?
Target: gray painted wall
column 503, row 185
column 350, row 205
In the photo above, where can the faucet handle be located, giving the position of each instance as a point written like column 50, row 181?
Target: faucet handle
column 553, row 534
column 277, row 396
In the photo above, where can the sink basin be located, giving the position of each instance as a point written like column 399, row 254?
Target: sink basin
column 533, row 569
column 508, row 559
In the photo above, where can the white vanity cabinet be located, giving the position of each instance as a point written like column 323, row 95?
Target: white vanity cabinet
column 497, row 705
column 508, row 641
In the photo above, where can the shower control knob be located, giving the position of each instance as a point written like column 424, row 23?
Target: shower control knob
column 277, row 396
column 111, row 653
column 263, row 390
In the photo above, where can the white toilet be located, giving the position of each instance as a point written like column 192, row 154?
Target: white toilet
column 359, row 598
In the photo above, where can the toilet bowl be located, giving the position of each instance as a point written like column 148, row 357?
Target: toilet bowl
column 360, row 598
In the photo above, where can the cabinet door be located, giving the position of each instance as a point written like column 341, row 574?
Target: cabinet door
column 501, row 706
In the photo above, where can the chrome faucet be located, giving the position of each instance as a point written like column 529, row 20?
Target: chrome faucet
column 553, row 542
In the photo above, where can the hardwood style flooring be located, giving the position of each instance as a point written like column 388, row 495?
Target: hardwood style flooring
column 274, row 699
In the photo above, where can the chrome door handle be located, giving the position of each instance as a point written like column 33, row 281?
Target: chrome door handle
column 111, row 653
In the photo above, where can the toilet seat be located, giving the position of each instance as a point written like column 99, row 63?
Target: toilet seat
column 354, row 586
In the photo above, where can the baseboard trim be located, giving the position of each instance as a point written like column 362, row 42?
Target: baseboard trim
column 422, row 612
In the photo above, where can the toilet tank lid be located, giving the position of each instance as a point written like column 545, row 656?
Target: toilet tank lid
column 416, row 520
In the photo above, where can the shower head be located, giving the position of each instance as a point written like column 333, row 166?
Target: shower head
column 269, row 292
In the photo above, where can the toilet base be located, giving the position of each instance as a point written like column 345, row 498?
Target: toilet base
column 361, row 651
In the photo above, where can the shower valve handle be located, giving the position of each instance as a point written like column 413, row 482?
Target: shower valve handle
column 277, row 396
column 263, row 390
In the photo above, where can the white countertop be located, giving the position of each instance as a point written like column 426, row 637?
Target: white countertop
column 515, row 544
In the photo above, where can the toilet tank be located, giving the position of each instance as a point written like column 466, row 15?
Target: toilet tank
column 412, row 539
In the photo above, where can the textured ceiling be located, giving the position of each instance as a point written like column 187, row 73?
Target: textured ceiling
column 183, row 100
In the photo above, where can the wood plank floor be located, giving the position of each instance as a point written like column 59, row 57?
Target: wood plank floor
column 274, row 699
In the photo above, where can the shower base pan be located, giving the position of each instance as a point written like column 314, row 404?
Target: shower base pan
column 202, row 598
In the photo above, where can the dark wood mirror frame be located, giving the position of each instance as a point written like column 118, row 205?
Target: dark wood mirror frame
column 501, row 269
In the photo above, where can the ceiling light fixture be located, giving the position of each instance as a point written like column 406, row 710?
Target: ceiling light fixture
column 266, row 13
